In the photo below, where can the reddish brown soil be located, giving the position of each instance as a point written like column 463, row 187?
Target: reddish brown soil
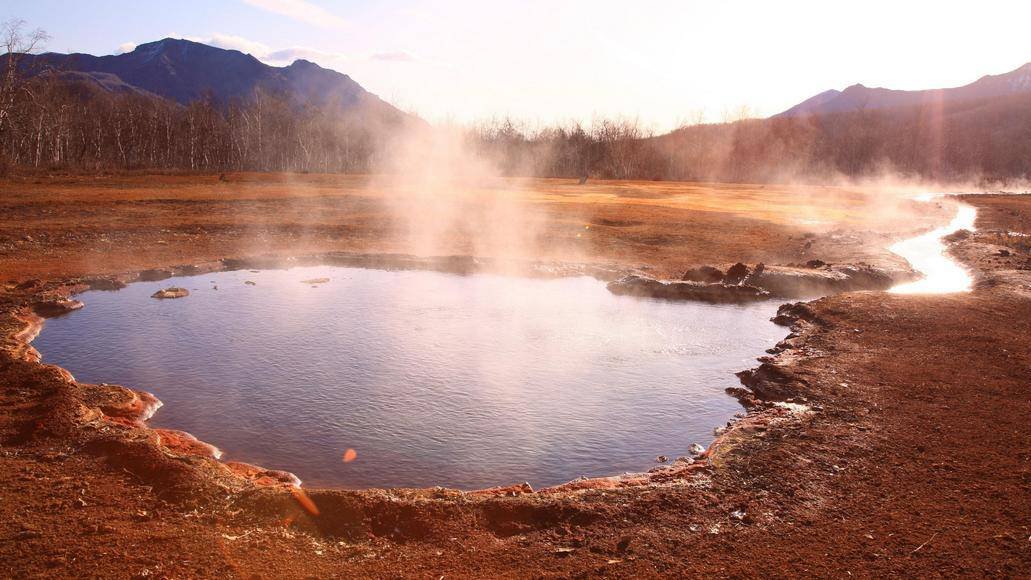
column 910, row 460
column 73, row 226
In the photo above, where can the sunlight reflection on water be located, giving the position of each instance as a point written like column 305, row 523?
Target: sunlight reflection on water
column 927, row 255
column 432, row 379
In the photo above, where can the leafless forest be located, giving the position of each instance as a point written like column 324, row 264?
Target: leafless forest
column 60, row 121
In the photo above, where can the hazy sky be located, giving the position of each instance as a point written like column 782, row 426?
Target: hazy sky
column 541, row 61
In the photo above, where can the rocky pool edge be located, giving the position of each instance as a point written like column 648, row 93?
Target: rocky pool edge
column 110, row 420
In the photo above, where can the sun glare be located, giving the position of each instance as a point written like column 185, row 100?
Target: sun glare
column 926, row 254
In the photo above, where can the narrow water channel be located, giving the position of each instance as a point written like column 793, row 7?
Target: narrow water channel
column 927, row 255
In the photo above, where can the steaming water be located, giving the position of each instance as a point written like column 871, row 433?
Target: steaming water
column 434, row 379
column 926, row 254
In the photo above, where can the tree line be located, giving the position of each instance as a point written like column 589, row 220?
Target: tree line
column 57, row 122
column 986, row 141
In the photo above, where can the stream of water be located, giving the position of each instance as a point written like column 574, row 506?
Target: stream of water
column 927, row 255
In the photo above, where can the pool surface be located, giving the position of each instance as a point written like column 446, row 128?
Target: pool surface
column 433, row 379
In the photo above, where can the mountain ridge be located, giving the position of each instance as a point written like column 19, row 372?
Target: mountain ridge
column 859, row 97
column 184, row 71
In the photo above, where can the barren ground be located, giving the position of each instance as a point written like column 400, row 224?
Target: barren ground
column 78, row 225
column 911, row 458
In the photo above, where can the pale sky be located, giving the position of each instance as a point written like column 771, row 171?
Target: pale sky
column 544, row 61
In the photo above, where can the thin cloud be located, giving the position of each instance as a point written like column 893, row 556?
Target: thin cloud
column 288, row 55
column 263, row 52
column 285, row 56
column 399, row 56
column 126, row 47
column 301, row 11
column 406, row 57
column 230, row 42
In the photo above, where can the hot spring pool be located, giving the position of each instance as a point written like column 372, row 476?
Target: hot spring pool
column 434, row 379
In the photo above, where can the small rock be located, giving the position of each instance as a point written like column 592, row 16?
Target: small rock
column 250, row 282
column 155, row 274
column 661, row 459
column 696, row 450
column 105, row 284
column 172, row 292
column 706, row 274
column 736, row 274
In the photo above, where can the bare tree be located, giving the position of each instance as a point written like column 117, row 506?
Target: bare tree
column 52, row 120
column 16, row 43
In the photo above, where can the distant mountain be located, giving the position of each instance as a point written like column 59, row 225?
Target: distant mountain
column 101, row 82
column 858, row 97
column 183, row 71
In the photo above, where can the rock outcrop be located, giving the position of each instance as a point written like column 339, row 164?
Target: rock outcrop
column 792, row 312
column 52, row 308
column 719, row 293
column 742, row 283
column 795, row 282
